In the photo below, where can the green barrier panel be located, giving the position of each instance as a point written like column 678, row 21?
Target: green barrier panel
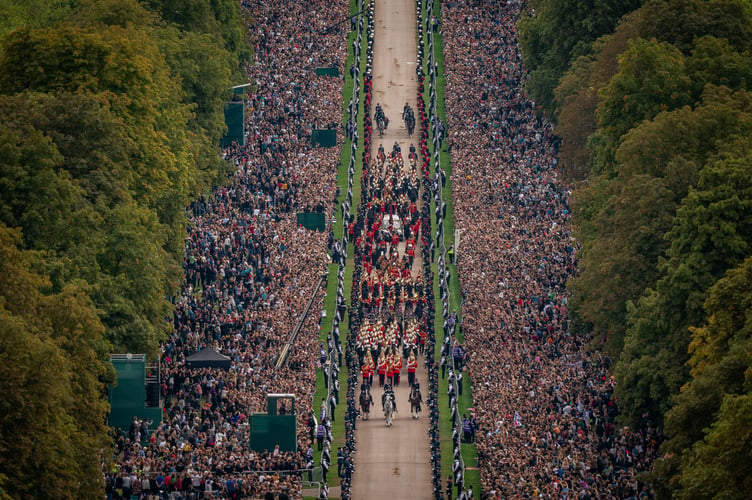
column 312, row 220
column 128, row 396
column 324, row 138
column 332, row 71
column 235, row 121
column 275, row 427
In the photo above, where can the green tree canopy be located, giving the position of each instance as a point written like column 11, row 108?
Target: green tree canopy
column 651, row 79
column 622, row 220
column 73, row 201
column 577, row 96
column 721, row 357
column 110, row 115
column 559, row 33
column 710, row 234
column 53, row 364
column 682, row 22
column 220, row 18
column 659, row 146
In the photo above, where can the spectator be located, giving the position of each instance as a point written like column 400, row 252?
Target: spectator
column 250, row 270
column 544, row 402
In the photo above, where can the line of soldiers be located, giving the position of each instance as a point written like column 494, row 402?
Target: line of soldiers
column 408, row 335
column 391, row 179
column 391, row 287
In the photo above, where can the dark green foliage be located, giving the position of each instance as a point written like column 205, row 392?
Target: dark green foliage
column 577, row 96
column 53, row 366
column 18, row 14
column 110, row 122
column 713, row 409
column 682, row 22
column 622, row 220
column 711, row 233
column 559, row 33
column 662, row 140
column 215, row 17
column 110, row 116
column 651, row 79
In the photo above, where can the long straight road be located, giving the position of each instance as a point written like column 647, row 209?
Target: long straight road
column 393, row 462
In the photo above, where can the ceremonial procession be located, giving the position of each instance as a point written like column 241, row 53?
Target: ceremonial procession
column 391, row 292
column 462, row 248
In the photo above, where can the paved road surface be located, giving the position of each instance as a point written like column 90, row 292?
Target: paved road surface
column 393, row 462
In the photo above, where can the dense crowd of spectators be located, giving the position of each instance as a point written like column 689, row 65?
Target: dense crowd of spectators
column 544, row 402
column 544, row 405
column 250, row 271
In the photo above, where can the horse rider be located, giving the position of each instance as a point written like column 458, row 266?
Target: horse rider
column 406, row 111
column 365, row 391
column 416, row 398
column 380, row 114
column 388, row 393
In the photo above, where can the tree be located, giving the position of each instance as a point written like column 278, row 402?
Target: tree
column 719, row 466
column 119, row 146
column 619, row 254
column 622, row 221
column 558, row 33
column 78, row 209
column 219, row 18
column 18, row 14
column 710, row 234
column 719, row 363
column 53, row 363
column 682, row 22
column 715, row 61
column 577, row 98
column 134, row 273
column 651, row 79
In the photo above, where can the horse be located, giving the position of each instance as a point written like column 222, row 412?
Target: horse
column 365, row 404
column 380, row 158
column 409, row 118
column 381, row 124
column 389, row 410
column 415, row 400
column 410, row 124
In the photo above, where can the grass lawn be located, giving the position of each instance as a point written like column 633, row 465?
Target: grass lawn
column 465, row 402
column 338, row 425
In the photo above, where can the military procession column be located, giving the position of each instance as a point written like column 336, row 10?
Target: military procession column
column 389, row 314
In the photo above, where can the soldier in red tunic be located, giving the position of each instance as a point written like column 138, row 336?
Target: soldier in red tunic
column 412, row 367
column 382, row 366
column 390, row 368
column 397, row 368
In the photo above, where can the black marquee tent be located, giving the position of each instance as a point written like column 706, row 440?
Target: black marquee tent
column 208, row 358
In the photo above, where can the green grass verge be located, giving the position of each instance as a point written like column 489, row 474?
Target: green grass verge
column 338, row 425
column 344, row 161
column 469, row 451
column 330, row 301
